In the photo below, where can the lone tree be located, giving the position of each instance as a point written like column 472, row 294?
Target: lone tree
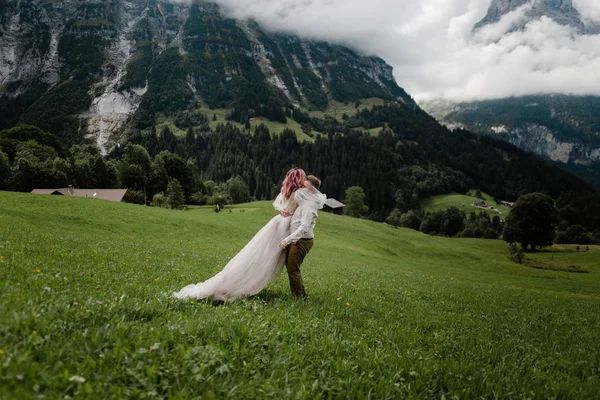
column 238, row 190
column 355, row 202
column 175, row 194
column 532, row 221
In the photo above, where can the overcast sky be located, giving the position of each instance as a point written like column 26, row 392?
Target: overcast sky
column 433, row 50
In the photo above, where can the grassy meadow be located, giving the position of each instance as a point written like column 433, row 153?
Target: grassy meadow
column 463, row 203
column 86, row 311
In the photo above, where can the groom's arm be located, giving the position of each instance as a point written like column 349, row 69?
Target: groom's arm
column 305, row 224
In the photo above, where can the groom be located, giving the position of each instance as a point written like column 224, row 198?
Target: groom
column 301, row 240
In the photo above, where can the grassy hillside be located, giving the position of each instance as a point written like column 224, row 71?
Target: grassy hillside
column 85, row 292
column 335, row 110
column 463, row 203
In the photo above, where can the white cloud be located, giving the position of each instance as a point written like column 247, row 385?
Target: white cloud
column 432, row 47
column 589, row 9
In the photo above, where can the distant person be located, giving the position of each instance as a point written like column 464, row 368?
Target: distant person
column 261, row 260
column 302, row 237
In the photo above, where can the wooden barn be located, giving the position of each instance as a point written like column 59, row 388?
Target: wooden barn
column 334, row 206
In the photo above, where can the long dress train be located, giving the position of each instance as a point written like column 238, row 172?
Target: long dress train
column 257, row 264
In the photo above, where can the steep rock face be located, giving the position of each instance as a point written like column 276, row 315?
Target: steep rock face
column 565, row 129
column 90, row 68
column 540, row 140
column 562, row 129
column 561, row 11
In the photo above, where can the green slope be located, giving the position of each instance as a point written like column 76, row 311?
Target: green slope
column 392, row 313
column 464, row 203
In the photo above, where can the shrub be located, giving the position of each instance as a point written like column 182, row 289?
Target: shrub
column 159, row 200
column 218, row 198
column 198, row 199
column 491, row 234
column 137, row 197
column 467, row 233
column 516, row 253
column 562, row 238
column 395, row 218
column 410, row 220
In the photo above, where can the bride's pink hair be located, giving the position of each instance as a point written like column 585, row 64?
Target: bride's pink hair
column 294, row 179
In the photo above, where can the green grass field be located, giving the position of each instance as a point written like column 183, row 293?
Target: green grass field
column 463, row 203
column 86, row 311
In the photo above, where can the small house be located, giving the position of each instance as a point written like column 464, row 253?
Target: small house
column 334, row 206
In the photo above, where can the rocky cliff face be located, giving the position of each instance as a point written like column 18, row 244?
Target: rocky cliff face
column 541, row 140
column 565, row 129
column 90, row 67
column 561, row 11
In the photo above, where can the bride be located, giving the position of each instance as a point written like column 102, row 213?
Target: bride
column 261, row 260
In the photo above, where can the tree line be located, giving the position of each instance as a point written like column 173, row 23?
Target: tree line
column 410, row 159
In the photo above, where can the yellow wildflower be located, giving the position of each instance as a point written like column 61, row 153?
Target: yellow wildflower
column 1, row 352
column 38, row 270
column 347, row 304
column 339, row 298
column 34, row 333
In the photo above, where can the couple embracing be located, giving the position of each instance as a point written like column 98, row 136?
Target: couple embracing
column 285, row 239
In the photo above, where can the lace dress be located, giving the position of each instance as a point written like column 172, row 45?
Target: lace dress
column 257, row 264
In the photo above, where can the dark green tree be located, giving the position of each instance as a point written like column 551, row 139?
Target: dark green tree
column 578, row 234
column 84, row 176
column 136, row 154
column 4, row 170
column 104, row 173
column 133, row 177
column 355, row 202
column 27, row 173
column 175, row 194
column 177, row 167
column 454, row 222
column 532, row 221
column 238, row 190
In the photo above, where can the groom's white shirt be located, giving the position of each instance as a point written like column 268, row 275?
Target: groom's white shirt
column 303, row 222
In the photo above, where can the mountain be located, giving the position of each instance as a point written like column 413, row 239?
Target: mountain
column 92, row 68
column 128, row 72
column 562, row 12
column 564, row 129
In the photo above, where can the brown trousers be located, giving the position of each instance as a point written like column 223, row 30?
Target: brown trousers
column 295, row 255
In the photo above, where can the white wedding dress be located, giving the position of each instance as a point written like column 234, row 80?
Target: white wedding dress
column 257, row 264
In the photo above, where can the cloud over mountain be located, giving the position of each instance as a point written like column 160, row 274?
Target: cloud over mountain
column 436, row 53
